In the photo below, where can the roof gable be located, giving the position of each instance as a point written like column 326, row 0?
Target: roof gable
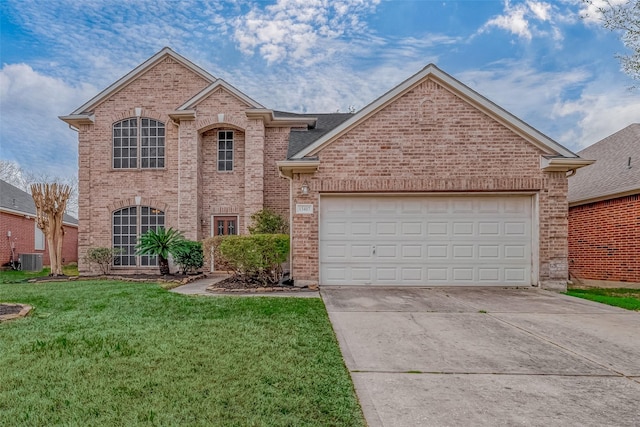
column 135, row 73
column 546, row 144
column 219, row 83
column 616, row 172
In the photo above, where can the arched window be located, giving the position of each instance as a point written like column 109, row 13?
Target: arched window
column 138, row 143
column 128, row 224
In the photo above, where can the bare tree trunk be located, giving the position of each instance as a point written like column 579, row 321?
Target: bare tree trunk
column 51, row 201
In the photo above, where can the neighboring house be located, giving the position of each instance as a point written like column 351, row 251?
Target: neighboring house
column 604, row 211
column 430, row 184
column 18, row 228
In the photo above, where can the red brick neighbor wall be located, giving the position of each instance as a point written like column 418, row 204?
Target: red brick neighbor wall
column 23, row 237
column 604, row 240
column 458, row 149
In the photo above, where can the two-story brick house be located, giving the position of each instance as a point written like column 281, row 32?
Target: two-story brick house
column 430, row 184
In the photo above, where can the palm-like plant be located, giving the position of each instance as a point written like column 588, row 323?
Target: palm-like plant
column 160, row 242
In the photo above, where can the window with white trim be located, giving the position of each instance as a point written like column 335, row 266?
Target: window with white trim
column 225, row 150
column 128, row 225
column 138, row 143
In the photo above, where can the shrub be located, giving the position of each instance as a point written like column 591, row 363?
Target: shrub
column 257, row 257
column 211, row 248
column 159, row 242
column 103, row 257
column 188, row 255
column 268, row 222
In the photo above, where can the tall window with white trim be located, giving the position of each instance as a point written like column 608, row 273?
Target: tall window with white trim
column 225, row 150
column 128, row 225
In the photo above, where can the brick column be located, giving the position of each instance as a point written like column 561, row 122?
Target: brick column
column 554, row 269
column 188, row 220
column 85, row 200
column 253, row 171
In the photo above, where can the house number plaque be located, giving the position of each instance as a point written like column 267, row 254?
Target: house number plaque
column 304, row 209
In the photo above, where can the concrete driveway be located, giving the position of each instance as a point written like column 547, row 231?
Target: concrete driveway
column 486, row 356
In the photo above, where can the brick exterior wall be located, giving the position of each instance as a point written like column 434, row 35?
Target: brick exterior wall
column 604, row 240
column 276, row 188
column 429, row 140
column 451, row 147
column 23, row 238
column 189, row 189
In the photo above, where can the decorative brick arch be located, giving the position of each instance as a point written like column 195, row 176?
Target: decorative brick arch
column 144, row 201
column 146, row 113
column 212, row 122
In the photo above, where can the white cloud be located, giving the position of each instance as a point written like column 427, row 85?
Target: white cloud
column 512, row 21
column 529, row 19
column 599, row 112
column 32, row 134
column 541, row 10
column 299, row 31
column 590, row 11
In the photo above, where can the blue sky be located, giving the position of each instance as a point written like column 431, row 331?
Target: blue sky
column 541, row 60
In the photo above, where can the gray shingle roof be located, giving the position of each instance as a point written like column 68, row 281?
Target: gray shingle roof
column 610, row 174
column 14, row 199
column 300, row 139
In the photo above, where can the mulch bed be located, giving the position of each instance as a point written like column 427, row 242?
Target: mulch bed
column 237, row 284
column 10, row 311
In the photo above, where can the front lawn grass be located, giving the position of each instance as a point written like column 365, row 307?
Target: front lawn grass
column 123, row 354
column 15, row 276
column 619, row 297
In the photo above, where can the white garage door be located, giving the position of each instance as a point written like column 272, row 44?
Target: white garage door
column 426, row 240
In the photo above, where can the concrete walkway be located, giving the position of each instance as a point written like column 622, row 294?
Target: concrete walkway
column 487, row 357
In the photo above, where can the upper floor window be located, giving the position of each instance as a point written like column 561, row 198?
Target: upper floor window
column 138, row 143
column 225, row 150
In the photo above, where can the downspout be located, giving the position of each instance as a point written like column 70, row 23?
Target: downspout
column 571, row 173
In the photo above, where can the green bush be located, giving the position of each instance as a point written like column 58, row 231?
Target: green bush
column 188, row 255
column 268, row 222
column 211, row 248
column 159, row 242
column 103, row 257
column 257, row 257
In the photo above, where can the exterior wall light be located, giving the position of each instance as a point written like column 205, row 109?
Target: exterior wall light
column 305, row 188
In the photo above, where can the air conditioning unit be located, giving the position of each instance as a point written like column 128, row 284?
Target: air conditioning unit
column 31, row 262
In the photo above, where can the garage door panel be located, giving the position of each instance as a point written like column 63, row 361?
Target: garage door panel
column 462, row 251
column 387, row 229
column 437, row 252
column 462, row 274
column 515, row 229
column 489, row 228
column 412, row 252
column 413, row 229
column 361, row 229
column 336, row 228
column 335, row 252
column 437, row 228
column 489, row 274
column 413, row 274
column 362, row 275
column 463, row 228
column 426, row 240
